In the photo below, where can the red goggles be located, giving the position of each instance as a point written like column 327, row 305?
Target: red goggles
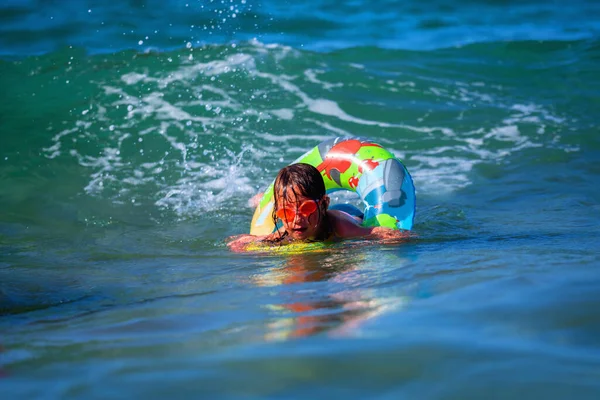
column 305, row 209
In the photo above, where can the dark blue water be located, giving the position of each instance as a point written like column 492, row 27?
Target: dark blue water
column 133, row 133
column 33, row 27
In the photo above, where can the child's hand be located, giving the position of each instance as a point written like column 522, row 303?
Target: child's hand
column 389, row 235
column 238, row 244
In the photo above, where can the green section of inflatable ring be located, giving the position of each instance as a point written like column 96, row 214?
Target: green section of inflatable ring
column 385, row 220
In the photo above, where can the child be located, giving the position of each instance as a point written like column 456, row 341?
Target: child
column 302, row 206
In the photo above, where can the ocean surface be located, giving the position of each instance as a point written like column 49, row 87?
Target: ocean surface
column 133, row 133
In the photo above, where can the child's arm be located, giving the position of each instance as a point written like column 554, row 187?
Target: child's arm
column 388, row 234
column 239, row 243
column 347, row 227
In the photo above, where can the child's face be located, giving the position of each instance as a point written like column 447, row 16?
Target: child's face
column 301, row 226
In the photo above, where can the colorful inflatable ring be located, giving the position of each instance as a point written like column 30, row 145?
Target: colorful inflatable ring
column 359, row 165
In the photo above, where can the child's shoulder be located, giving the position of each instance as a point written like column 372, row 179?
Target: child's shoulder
column 345, row 225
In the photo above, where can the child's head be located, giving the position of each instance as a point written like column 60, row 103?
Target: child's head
column 300, row 201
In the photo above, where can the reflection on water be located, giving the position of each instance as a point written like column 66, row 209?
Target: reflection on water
column 326, row 294
column 2, row 371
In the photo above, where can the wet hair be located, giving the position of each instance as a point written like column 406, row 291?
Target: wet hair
column 301, row 180
column 305, row 177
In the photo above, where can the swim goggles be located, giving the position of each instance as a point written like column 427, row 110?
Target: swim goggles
column 305, row 209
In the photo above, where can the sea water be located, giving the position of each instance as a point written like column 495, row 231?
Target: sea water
column 133, row 133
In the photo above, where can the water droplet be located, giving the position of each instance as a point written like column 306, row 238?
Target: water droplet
column 141, row 42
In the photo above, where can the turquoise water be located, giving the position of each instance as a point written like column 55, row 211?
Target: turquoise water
column 124, row 166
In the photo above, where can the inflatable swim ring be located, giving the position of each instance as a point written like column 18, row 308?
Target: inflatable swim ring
column 358, row 165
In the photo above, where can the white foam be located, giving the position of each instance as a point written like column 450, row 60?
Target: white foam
column 505, row 133
column 470, row 95
column 357, row 66
column 311, row 76
column 206, row 188
column 210, row 176
column 283, row 113
column 337, row 131
column 133, row 77
column 187, row 74
column 285, row 138
column 328, row 107
column 527, row 110
column 444, row 178
column 54, row 150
